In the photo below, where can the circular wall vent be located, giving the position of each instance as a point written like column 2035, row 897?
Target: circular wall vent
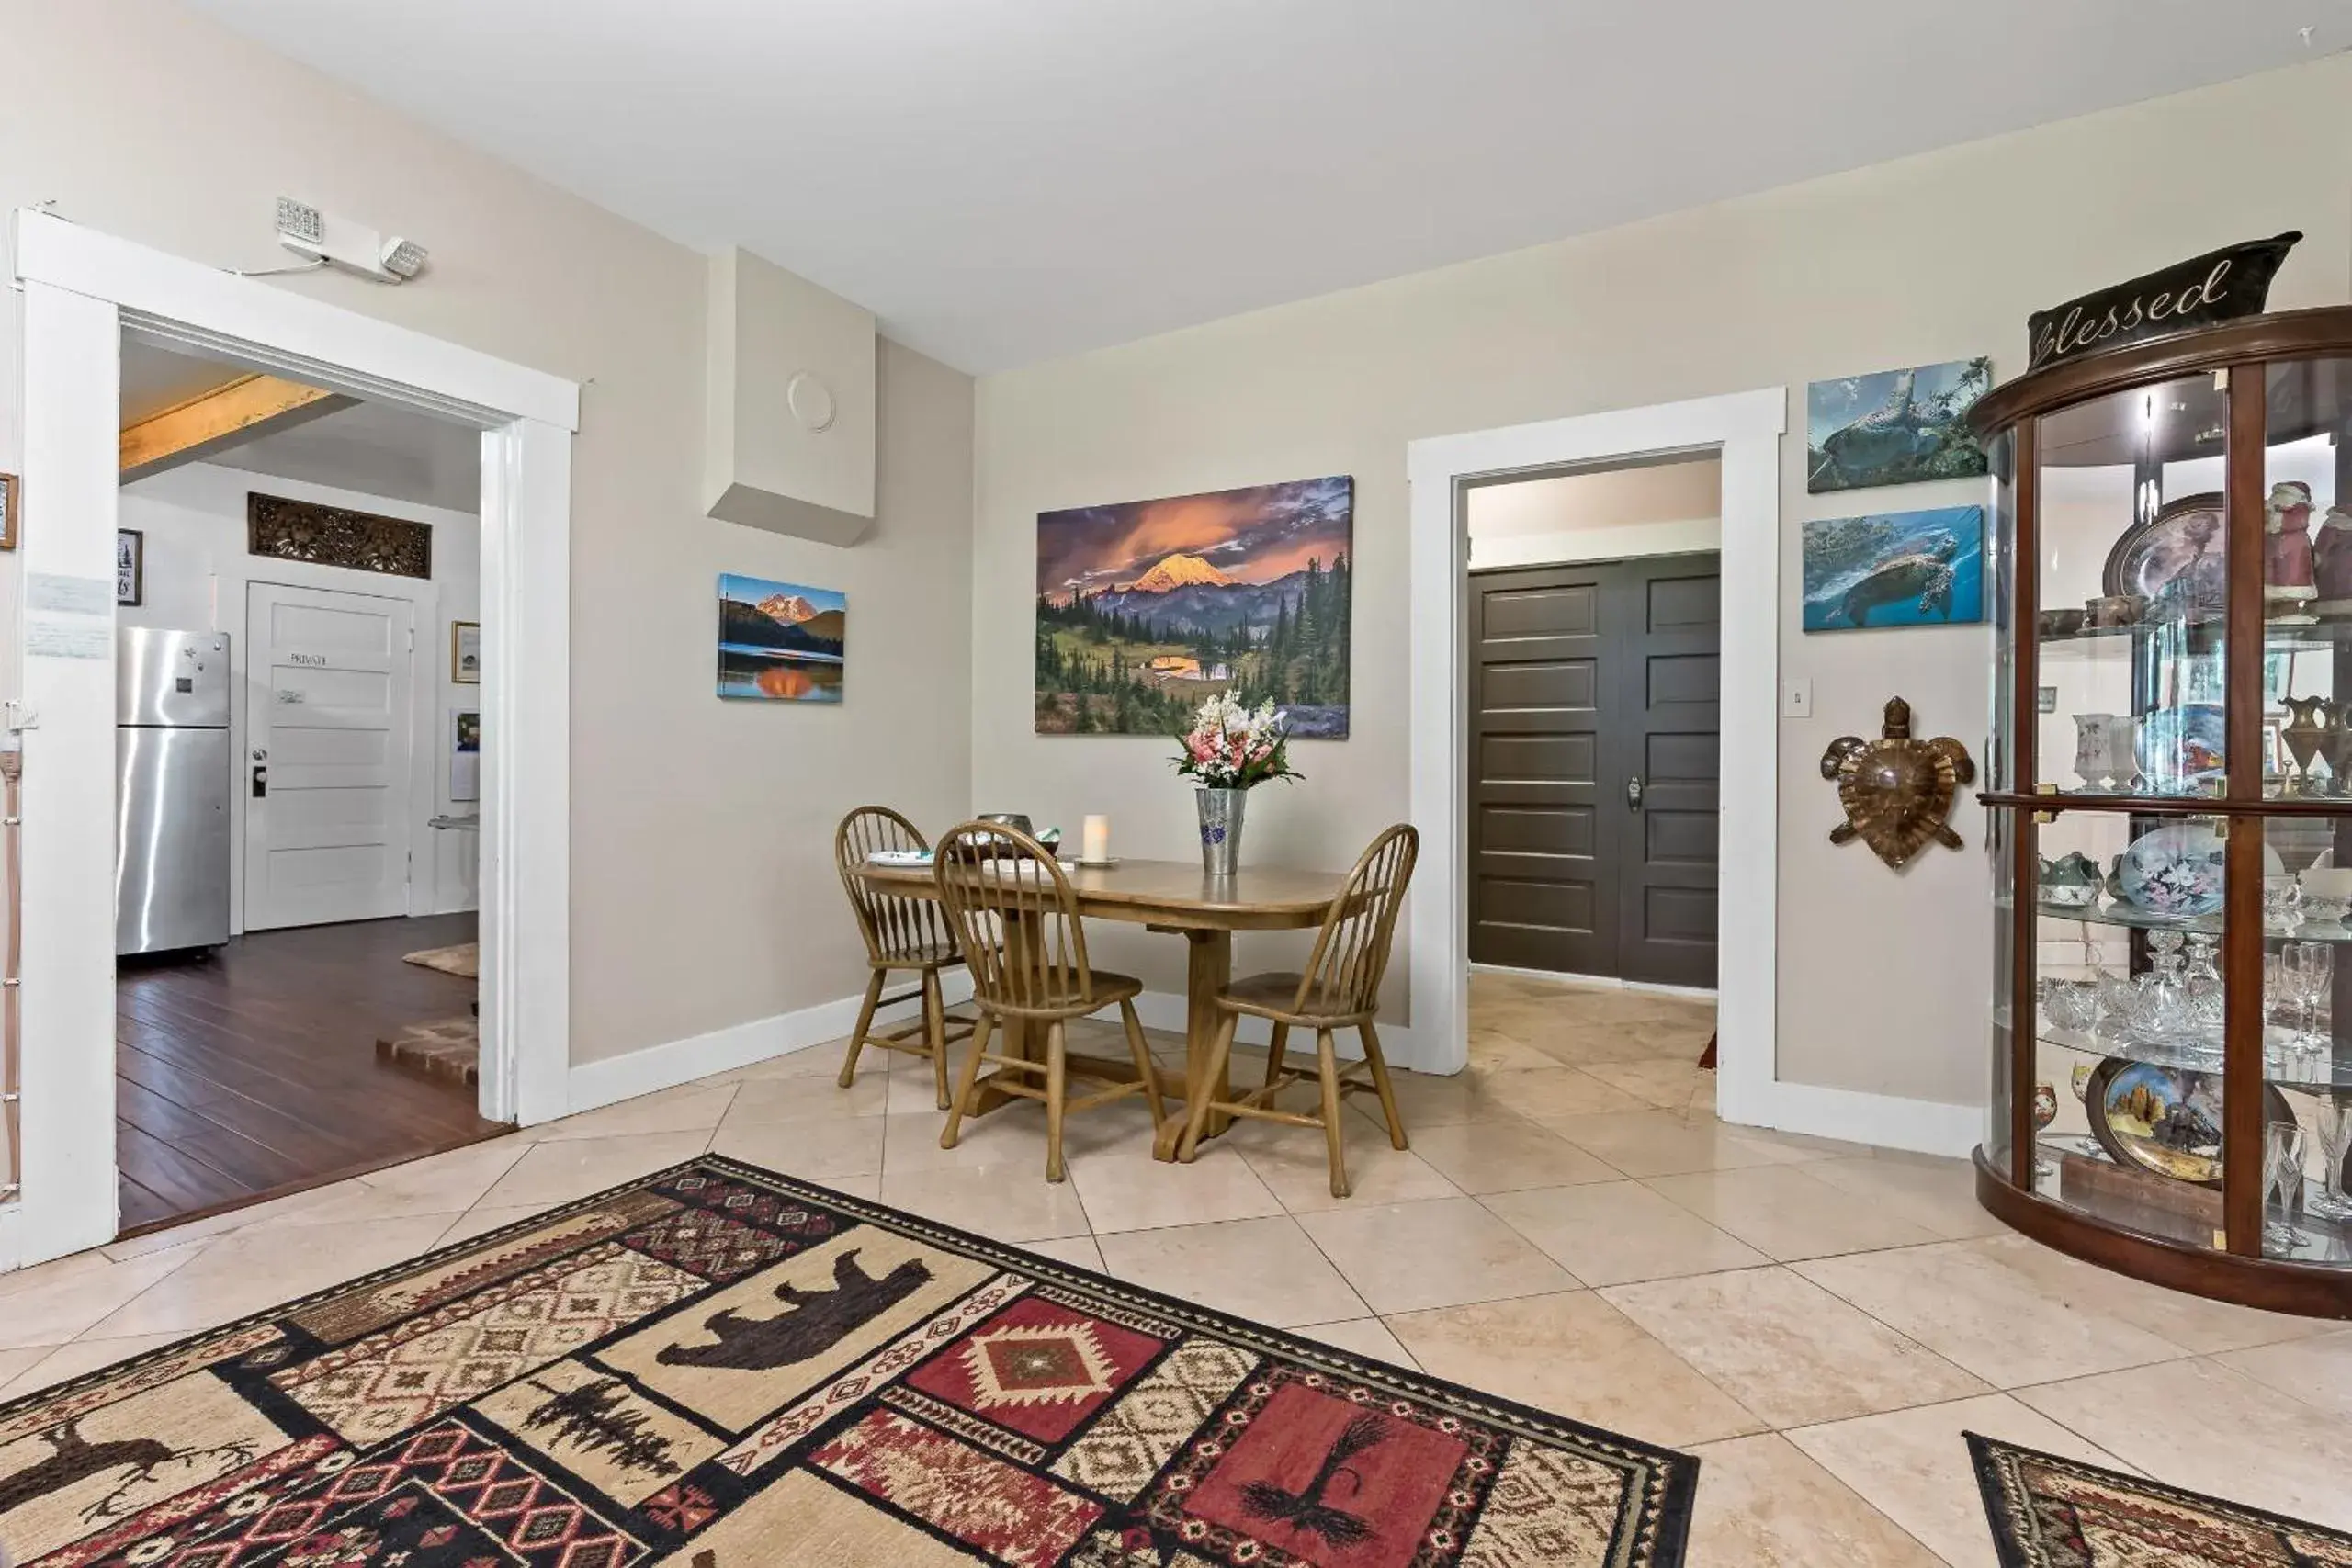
column 811, row 402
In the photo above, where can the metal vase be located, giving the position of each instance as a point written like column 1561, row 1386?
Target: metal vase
column 1220, row 829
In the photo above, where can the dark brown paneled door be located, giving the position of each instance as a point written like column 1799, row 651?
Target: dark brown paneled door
column 1593, row 774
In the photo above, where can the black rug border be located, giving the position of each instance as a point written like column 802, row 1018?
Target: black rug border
column 1984, row 1457
column 1679, row 1471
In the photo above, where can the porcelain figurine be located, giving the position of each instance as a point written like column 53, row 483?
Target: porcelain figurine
column 2288, row 588
column 2099, row 739
column 2070, row 882
column 2331, row 563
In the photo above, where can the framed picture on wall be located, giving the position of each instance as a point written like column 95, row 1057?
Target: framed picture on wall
column 465, row 755
column 465, row 653
column 7, row 512
column 129, row 565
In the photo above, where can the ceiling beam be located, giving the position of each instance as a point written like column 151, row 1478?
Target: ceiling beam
column 228, row 416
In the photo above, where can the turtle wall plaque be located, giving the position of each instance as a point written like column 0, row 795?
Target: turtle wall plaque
column 1896, row 790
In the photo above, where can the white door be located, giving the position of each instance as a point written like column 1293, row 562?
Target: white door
column 326, row 775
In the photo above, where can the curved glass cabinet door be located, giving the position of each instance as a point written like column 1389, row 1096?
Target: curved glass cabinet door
column 2130, row 540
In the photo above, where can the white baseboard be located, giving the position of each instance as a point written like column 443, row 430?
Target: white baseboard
column 1919, row 1126
column 593, row 1084
column 1922, row 1126
column 11, row 1242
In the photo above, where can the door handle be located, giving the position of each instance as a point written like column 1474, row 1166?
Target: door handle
column 261, row 783
column 1634, row 792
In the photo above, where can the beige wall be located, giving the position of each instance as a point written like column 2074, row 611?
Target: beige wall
column 1884, row 978
column 703, row 893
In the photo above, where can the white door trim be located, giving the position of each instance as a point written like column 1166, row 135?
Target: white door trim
column 81, row 289
column 1746, row 427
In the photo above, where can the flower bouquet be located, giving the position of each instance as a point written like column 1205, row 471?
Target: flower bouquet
column 1230, row 749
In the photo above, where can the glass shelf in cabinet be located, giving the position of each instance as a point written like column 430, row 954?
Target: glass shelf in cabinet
column 2281, row 1066
column 2204, row 637
column 2139, row 920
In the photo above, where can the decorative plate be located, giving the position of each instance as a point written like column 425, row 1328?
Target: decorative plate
column 2183, row 747
column 2166, row 1120
column 2174, row 870
column 2178, row 560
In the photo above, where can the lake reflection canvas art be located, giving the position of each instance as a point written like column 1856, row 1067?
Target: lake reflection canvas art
column 780, row 642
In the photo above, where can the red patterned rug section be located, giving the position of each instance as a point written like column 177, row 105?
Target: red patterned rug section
column 2047, row 1512
column 719, row 1366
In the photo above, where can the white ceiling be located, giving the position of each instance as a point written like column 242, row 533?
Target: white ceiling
column 1003, row 181
column 374, row 449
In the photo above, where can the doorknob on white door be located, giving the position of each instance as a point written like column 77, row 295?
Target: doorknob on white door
column 261, row 754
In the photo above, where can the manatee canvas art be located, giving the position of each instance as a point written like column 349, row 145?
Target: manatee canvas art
column 1895, row 427
column 1894, row 568
column 1147, row 607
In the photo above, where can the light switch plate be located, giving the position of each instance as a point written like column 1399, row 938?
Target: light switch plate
column 1796, row 699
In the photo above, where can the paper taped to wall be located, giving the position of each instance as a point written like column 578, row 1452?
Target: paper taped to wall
column 48, row 636
column 69, row 595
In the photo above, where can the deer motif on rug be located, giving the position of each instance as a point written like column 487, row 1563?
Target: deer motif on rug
column 75, row 1459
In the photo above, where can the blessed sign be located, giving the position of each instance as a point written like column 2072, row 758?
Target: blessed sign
column 2219, row 286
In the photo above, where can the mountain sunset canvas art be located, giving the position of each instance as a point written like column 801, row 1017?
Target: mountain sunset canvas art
column 780, row 642
column 1147, row 607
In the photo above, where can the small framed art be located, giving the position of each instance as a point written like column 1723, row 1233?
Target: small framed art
column 129, row 565
column 465, row 653
column 7, row 512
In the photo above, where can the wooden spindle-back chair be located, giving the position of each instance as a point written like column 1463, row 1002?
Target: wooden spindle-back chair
column 1016, row 918
column 1338, row 990
column 900, row 932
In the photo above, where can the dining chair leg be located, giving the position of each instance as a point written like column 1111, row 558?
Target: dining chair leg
column 865, row 1023
column 1141, row 1050
column 1199, row 1096
column 979, row 1044
column 934, row 1023
column 1327, row 1059
column 1056, row 1095
column 1380, row 1083
column 1274, row 1049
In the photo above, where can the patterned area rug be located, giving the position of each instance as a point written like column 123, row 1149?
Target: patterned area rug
column 720, row 1368
column 464, row 959
column 2047, row 1512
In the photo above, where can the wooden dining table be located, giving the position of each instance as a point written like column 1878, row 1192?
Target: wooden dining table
column 1174, row 896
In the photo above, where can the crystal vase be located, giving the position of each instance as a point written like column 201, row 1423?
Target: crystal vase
column 1220, row 829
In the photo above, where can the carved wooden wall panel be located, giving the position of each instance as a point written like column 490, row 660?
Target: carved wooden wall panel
column 336, row 536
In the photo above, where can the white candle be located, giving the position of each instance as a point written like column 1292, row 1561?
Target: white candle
column 1095, row 839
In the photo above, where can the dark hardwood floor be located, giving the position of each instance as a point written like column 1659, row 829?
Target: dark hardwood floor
column 253, row 1073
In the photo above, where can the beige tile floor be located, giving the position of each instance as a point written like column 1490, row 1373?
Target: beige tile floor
column 1572, row 1227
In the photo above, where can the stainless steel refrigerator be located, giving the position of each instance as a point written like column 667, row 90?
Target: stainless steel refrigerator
column 172, row 785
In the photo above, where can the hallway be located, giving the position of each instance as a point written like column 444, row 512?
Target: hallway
column 253, row 1073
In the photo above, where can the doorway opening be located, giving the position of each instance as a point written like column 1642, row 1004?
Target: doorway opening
column 1592, row 784
column 1742, row 432
column 85, row 294
column 298, row 629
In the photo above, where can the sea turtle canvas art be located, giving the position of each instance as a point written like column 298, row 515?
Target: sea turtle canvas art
column 1894, row 426
column 1894, row 568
